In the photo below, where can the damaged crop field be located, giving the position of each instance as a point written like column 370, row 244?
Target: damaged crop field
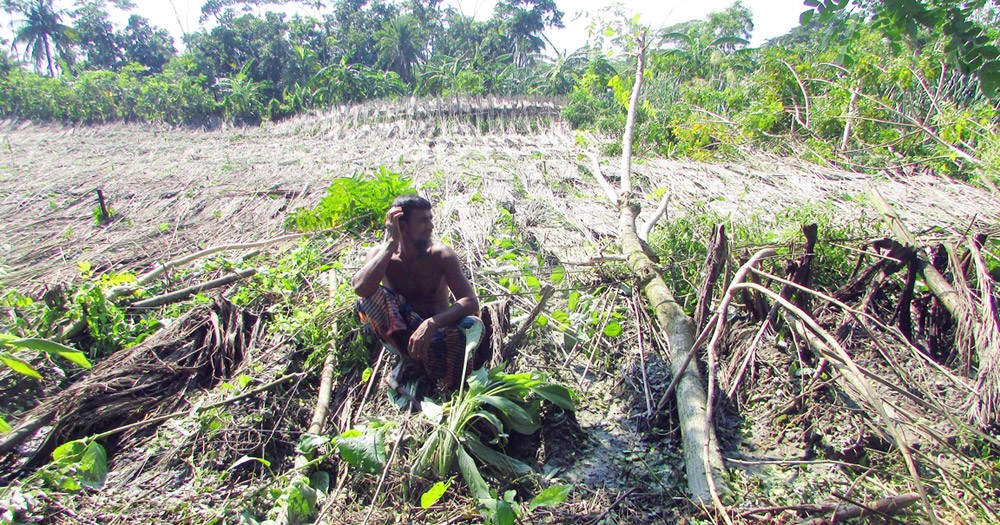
column 755, row 341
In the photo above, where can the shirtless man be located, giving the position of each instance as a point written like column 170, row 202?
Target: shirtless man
column 411, row 310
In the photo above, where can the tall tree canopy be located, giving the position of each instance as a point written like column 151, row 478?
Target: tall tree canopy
column 969, row 25
column 42, row 32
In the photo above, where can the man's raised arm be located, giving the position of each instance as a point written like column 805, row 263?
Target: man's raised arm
column 367, row 279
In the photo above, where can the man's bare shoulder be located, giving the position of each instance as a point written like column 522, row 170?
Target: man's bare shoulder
column 442, row 251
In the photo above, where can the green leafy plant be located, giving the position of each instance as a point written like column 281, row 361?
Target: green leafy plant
column 494, row 404
column 100, row 218
column 77, row 464
column 41, row 345
column 360, row 200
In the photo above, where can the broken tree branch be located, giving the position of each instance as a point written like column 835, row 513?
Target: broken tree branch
column 184, row 293
column 718, row 253
column 609, row 191
column 510, row 349
column 660, row 210
column 885, row 507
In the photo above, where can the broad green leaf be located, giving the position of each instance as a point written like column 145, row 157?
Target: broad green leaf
column 308, row 443
column 556, row 394
column 366, row 375
column 478, row 380
column 363, row 450
column 301, row 500
column 243, row 380
column 94, row 465
column 432, row 411
column 19, row 366
column 80, row 463
column 520, row 419
column 504, row 463
column 505, row 513
column 470, row 473
column 533, row 282
column 52, row 347
column 989, row 78
column 613, row 329
column 573, row 301
column 492, row 420
column 69, row 449
column 551, row 496
column 561, row 317
column 558, row 274
column 4, row 426
column 320, row 480
column 541, row 320
column 433, row 494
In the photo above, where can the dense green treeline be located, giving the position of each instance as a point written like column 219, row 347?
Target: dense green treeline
column 858, row 83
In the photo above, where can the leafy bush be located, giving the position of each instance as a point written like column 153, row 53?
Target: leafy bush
column 359, row 201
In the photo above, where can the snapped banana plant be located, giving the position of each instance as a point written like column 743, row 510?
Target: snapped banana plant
column 493, row 404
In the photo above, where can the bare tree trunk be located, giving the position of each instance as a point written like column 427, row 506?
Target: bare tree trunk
column 702, row 459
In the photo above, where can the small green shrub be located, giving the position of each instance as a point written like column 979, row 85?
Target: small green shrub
column 359, row 200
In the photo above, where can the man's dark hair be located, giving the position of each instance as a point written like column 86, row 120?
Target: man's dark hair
column 411, row 202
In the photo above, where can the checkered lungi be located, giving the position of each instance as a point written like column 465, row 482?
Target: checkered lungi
column 392, row 320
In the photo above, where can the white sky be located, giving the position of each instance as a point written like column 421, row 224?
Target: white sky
column 771, row 17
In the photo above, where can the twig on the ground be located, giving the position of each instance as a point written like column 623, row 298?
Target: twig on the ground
column 509, row 350
column 611, row 507
column 184, row 293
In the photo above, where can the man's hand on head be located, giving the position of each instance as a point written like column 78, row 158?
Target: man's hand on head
column 392, row 218
column 420, row 341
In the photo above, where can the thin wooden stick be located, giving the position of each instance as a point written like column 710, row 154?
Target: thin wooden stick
column 609, row 191
column 385, row 471
column 184, row 293
column 511, row 347
column 642, row 359
column 660, row 210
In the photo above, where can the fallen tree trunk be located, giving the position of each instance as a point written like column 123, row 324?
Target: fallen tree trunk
column 702, row 460
column 697, row 444
column 885, row 507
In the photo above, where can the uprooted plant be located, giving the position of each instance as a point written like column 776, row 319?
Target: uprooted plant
column 494, row 404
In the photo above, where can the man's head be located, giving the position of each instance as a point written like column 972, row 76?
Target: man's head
column 417, row 220
column 411, row 202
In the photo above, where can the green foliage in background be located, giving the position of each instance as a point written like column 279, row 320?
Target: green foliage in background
column 359, row 201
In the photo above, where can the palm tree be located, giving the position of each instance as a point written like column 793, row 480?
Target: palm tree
column 698, row 51
column 400, row 45
column 43, row 33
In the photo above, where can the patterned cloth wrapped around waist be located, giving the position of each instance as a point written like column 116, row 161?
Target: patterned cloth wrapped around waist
column 452, row 348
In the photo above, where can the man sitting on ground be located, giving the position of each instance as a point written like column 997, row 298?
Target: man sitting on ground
column 411, row 311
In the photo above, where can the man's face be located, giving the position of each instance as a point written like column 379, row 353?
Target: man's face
column 418, row 227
